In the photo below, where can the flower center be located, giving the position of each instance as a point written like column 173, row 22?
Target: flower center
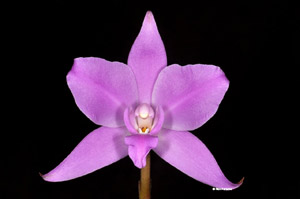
column 144, row 116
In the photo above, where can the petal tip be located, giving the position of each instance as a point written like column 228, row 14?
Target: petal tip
column 149, row 21
column 42, row 176
column 45, row 177
column 241, row 181
column 237, row 185
column 149, row 15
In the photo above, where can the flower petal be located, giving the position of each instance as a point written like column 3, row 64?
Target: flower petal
column 129, row 121
column 190, row 95
column 100, row 89
column 139, row 147
column 147, row 57
column 158, row 121
column 187, row 153
column 98, row 149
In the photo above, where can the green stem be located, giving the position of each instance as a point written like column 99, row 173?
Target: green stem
column 145, row 182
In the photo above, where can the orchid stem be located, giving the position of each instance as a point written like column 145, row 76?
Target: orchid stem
column 145, row 182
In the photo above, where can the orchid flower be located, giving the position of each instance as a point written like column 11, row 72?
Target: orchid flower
column 145, row 105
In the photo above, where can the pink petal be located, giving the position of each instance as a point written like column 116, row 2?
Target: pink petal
column 129, row 121
column 102, row 89
column 98, row 149
column 158, row 121
column 139, row 147
column 187, row 153
column 190, row 95
column 147, row 57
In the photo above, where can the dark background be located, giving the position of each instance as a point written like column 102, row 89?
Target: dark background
column 253, row 134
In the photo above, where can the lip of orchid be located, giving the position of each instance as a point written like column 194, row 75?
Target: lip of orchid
column 141, row 122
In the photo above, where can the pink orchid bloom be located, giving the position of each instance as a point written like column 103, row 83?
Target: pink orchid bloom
column 145, row 106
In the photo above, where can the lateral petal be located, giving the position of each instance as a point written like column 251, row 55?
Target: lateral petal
column 190, row 95
column 102, row 89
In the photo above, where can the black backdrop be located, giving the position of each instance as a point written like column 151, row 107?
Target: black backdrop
column 252, row 135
